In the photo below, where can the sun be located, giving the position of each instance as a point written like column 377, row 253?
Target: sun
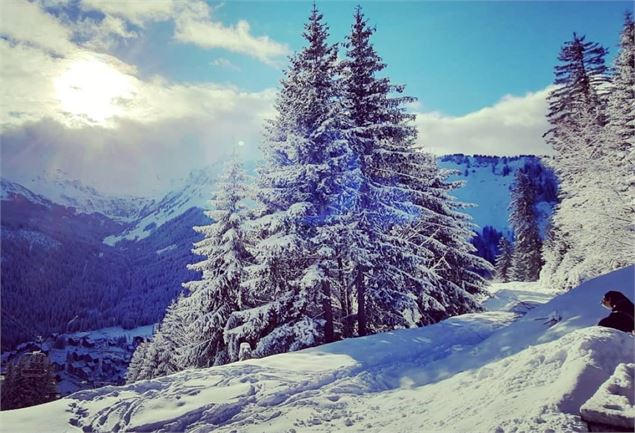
column 93, row 91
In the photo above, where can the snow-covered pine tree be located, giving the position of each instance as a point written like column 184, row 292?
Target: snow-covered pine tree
column 301, row 190
column 383, row 266
column 445, row 232
column 580, row 81
column 620, row 107
column 410, row 254
column 192, row 332
column 618, row 157
column 163, row 354
column 577, row 118
column 218, row 293
column 576, row 110
column 504, row 260
column 148, row 366
column 133, row 371
column 173, row 337
column 527, row 259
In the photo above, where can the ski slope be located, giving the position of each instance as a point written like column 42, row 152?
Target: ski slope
column 527, row 364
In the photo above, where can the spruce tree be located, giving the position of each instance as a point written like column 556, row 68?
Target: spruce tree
column 410, row 249
column 445, row 231
column 578, row 81
column 577, row 117
column 616, row 203
column 527, row 259
column 27, row 383
column 302, row 188
column 133, row 373
column 218, row 293
column 620, row 106
column 173, row 337
column 381, row 137
column 504, row 260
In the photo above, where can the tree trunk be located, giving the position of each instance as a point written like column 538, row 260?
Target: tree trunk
column 361, row 303
column 347, row 324
column 328, row 312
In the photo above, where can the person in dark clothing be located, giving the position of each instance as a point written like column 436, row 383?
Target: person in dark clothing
column 622, row 314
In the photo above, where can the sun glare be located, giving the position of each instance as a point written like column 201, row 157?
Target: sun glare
column 92, row 91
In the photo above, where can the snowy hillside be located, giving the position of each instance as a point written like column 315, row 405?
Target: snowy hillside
column 129, row 286
column 10, row 190
column 57, row 187
column 528, row 364
column 193, row 191
column 488, row 182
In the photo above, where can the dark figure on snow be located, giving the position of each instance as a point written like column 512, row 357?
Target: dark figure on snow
column 621, row 316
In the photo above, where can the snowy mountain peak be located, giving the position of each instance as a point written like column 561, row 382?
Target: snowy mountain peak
column 193, row 190
column 9, row 190
column 58, row 187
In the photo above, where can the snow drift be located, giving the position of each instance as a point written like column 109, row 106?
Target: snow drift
column 496, row 371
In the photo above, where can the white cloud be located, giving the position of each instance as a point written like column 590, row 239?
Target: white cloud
column 166, row 131
column 194, row 24
column 222, row 62
column 512, row 126
column 65, row 106
column 23, row 21
column 102, row 34
column 130, row 137
column 135, row 158
column 137, row 12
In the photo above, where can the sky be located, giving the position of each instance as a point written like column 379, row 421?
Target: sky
column 126, row 95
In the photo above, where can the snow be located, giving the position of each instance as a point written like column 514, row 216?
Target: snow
column 516, row 296
column 58, row 187
column 508, row 369
column 8, row 189
column 613, row 403
column 488, row 187
column 116, row 331
column 193, row 191
column 490, row 190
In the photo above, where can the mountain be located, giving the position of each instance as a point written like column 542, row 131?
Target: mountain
column 487, row 183
column 527, row 364
column 58, row 275
column 57, row 187
column 194, row 191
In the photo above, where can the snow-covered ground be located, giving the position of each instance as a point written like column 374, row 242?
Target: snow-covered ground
column 527, row 365
column 116, row 331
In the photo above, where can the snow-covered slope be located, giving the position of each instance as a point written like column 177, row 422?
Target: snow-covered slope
column 57, row 187
column 193, row 191
column 488, row 182
column 11, row 190
column 495, row 371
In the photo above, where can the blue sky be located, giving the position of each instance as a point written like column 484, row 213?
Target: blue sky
column 126, row 95
column 456, row 57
